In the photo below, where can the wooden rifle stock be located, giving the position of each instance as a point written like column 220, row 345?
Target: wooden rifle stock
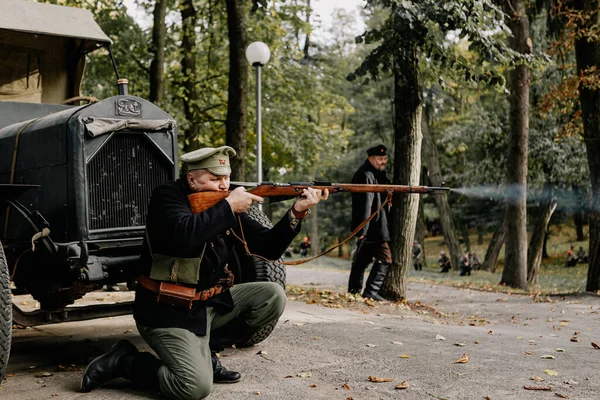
column 201, row 201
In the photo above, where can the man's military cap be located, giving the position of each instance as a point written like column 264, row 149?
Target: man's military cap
column 379, row 150
column 215, row 160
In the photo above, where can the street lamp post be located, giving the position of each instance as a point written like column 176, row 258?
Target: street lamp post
column 258, row 54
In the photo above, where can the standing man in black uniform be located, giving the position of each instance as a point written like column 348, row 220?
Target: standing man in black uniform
column 373, row 240
column 186, row 306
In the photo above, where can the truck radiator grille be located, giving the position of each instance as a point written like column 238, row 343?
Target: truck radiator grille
column 122, row 176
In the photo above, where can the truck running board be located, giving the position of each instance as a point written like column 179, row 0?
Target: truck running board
column 70, row 314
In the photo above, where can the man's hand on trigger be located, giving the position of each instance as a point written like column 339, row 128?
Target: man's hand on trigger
column 240, row 200
column 309, row 198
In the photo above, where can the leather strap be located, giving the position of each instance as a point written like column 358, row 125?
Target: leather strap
column 242, row 239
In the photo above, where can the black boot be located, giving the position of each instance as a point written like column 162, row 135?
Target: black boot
column 107, row 366
column 355, row 282
column 375, row 281
column 222, row 374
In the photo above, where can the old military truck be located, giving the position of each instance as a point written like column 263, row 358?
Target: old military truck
column 75, row 181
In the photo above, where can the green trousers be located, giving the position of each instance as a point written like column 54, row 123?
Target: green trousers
column 187, row 372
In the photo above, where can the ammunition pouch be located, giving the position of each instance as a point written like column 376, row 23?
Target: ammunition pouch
column 176, row 295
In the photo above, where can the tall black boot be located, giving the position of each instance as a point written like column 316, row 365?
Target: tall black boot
column 375, row 281
column 355, row 282
column 222, row 374
column 117, row 363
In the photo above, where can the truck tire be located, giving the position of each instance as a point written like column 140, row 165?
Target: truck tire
column 5, row 314
column 263, row 271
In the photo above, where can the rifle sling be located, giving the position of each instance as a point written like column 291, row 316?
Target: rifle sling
column 388, row 200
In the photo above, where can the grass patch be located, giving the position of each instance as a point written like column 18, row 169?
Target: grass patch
column 554, row 277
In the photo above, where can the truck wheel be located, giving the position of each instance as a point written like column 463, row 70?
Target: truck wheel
column 5, row 314
column 263, row 271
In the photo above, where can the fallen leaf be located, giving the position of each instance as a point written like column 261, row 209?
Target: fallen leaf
column 488, row 397
column 439, row 337
column 459, row 344
column 595, row 345
column 547, row 357
column 371, row 345
column 490, row 332
column 571, row 382
column 403, row 385
column 379, row 380
column 546, row 388
column 345, row 386
column 463, row 360
column 574, row 339
column 398, row 343
column 288, row 376
column 304, row 374
column 312, row 385
column 257, row 393
column 559, row 350
column 529, row 353
column 550, row 372
column 537, row 378
column 43, row 374
column 562, row 396
column 404, row 356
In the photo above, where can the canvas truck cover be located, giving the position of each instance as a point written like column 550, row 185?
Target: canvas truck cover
column 42, row 48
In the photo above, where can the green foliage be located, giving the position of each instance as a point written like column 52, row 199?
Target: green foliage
column 438, row 30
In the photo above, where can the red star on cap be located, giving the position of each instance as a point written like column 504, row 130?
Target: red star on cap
column 222, row 161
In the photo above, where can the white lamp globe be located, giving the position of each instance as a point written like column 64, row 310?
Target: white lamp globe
column 258, row 53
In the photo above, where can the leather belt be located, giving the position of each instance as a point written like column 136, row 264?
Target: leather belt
column 190, row 293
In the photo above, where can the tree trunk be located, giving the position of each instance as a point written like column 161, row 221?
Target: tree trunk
column 465, row 234
column 441, row 199
column 479, row 235
column 587, row 52
column 514, row 273
column 188, row 66
column 536, row 244
column 236, row 124
column 420, row 227
column 407, row 168
column 306, row 50
column 490, row 261
column 157, row 49
column 578, row 214
column 545, row 246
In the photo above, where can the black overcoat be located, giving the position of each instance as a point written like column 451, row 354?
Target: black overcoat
column 173, row 230
column 364, row 204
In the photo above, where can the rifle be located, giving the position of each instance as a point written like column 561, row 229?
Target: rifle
column 201, row 201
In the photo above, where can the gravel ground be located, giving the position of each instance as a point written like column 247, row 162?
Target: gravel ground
column 319, row 352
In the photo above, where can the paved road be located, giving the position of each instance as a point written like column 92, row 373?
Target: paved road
column 328, row 353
